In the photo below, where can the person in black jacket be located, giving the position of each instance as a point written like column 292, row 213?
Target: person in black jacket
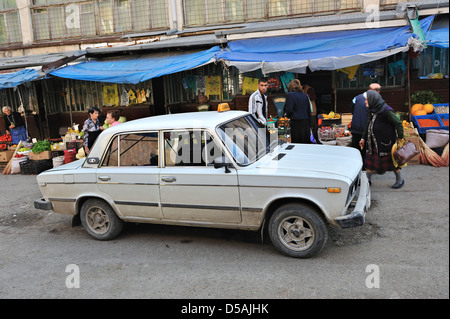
column 359, row 119
column 298, row 109
column 14, row 125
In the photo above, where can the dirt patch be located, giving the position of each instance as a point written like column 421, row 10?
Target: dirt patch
column 20, row 220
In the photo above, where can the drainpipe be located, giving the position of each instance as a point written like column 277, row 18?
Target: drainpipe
column 24, row 10
column 175, row 14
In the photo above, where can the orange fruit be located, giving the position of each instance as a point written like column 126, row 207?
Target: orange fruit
column 420, row 112
column 428, row 108
column 416, row 107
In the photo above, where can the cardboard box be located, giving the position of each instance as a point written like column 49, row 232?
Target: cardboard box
column 40, row 156
column 346, row 118
column 5, row 156
column 414, row 139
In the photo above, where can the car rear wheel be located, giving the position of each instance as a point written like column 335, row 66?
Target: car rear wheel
column 99, row 220
column 297, row 230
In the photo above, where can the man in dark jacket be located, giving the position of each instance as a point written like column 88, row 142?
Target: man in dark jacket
column 359, row 120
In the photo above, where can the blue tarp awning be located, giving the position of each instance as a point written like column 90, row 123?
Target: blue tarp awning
column 438, row 34
column 133, row 70
column 13, row 79
column 318, row 51
column 438, row 38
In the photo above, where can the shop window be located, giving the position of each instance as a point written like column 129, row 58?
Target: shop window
column 432, row 63
column 135, row 149
column 10, row 29
column 388, row 72
column 190, row 148
column 87, row 18
column 210, row 12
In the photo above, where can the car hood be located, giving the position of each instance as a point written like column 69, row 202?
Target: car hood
column 311, row 160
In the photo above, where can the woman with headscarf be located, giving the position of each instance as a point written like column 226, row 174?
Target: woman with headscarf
column 14, row 125
column 383, row 130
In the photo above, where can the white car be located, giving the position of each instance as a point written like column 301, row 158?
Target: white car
column 211, row 169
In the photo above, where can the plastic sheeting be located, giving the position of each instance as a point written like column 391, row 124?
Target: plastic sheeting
column 13, row 79
column 133, row 70
column 438, row 38
column 318, row 51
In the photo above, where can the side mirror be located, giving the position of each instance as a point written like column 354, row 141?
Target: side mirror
column 221, row 162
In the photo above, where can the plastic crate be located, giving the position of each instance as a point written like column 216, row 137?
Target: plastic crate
column 30, row 167
column 444, row 117
column 438, row 105
column 430, row 117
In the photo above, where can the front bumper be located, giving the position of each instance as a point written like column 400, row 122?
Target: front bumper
column 43, row 204
column 358, row 215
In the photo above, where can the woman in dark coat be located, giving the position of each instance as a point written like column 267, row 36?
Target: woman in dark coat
column 383, row 129
column 298, row 109
column 14, row 125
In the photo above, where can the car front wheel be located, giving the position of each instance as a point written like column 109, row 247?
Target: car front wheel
column 100, row 220
column 297, row 230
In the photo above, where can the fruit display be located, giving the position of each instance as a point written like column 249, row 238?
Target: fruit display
column 422, row 109
column 283, row 122
column 331, row 116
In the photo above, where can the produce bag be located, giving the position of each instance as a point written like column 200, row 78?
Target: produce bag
column 436, row 138
column 15, row 164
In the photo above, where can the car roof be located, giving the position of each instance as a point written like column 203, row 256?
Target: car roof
column 208, row 119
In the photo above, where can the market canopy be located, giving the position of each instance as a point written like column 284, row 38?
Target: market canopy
column 318, row 51
column 13, row 79
column 437, row 36
column 133, row 70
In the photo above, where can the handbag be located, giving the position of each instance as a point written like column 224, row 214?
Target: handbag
column 405, row 153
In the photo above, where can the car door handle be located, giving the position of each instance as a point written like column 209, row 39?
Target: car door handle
column 104, row 178
column 169, row 179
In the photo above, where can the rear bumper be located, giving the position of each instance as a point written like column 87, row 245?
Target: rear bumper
column 43, row 204
column 358, row 215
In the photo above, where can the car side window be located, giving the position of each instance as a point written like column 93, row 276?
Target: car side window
column 133, row 149
column 190, row 148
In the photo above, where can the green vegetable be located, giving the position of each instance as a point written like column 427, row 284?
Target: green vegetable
column 41, row 146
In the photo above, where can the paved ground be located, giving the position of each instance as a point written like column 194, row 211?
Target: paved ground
column 405, row 241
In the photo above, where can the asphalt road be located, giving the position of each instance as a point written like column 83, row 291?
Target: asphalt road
column 401, row 252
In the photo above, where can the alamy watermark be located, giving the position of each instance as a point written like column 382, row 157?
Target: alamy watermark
column 73, row 279
column 373, row 279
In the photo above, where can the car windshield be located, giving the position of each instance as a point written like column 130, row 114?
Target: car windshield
column 246, row 139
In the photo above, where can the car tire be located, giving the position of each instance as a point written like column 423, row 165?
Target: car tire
column 297, row 230
column 100, row 220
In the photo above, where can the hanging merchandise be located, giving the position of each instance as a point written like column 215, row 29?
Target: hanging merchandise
column 141, row 96
column 200, row 83
column 350, row 71
column 249, row 85
column 191, row 82
column 183, row 81
column 213, row 86
column 132, row 97
column 124, row 98
column 111, row 94
column 273, row 83
column 397, row 67
column 285, row 79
